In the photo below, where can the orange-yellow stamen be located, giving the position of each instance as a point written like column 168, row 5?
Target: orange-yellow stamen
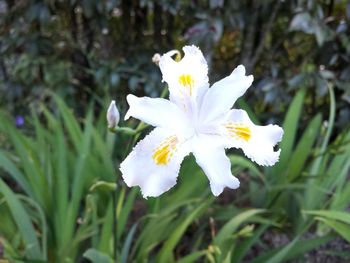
column 239, row 131
column 163, row 153
column 187, row 81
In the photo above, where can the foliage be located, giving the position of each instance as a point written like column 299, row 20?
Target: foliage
column 82, row 50
column 52, row 206
column 61, row 207
column 57, row 177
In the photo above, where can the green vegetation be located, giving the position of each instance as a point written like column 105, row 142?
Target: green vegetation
column 62, row 198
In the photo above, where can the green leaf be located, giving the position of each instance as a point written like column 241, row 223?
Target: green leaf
column 126, row 210
column 103, row 186
column 242, row 248
column 166, row 253
column 290, row 127
column 303, row 22
column 228, row 229
column 70, row 122
column 312, row 197
column 107, row 233
column 224, row 238
column 97, row 257
column 127, row 244
column 294, row 249
column 193, row 257
column 23, row 223
column 15, row 173
column 330, row 214
column 341, row 228
column 304, row 148
column 246, row 163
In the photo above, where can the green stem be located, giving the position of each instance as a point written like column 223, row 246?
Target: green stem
column 135, row 133
column 115, row 221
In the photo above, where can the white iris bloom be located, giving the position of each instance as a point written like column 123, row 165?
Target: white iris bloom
column 195, row 119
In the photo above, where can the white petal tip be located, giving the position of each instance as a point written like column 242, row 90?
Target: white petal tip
column 240, row 69
column 250, row 78
column 130, row 98
column 191, row 49
column 127, row 116
column 273, row 159
column 145, row 195
column 280, row 135
column 235, row 183
column 275, row 133
column 216, row 193
column 218, row 189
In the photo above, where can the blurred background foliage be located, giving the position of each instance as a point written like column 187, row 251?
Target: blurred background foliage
column 62, row 61
column 89, row 50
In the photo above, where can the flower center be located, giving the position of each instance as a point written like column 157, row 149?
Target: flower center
column 239, row 131
column 187, row 81
column 163, row 153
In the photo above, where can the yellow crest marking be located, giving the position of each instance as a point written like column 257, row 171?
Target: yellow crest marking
column 163, row 153
column 187, row 81
column 240, row 131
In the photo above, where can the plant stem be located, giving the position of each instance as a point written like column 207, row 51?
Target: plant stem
column 115, row 222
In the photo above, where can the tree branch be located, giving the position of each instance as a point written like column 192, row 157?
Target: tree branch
column 250, row 34
column 267, row 29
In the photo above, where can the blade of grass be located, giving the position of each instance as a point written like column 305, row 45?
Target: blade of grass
column 228, row 229
column 193, row 257
column 96, row 256
column 290, row 127
column 335, row 215
column 311, row 196
column 15, row 173
column 23, row 223
column 303, row 149
column 341, row 228
column 166, row 253
column 127, row 244
column 223, row 239
column 294, row 249
column 70, row 122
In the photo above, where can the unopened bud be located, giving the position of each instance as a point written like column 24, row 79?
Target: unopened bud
column 112, row 115
column 156, row 58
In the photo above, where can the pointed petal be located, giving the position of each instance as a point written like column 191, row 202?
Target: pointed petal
column 154, row 163
column 210, row 156
column 257, row 142
column 188, row 77
column 224, row 93
column 156, row 112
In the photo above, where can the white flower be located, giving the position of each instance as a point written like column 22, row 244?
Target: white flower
column 195, row 119
column 112, row 115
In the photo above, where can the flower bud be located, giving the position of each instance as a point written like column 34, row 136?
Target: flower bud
column 112, row 115
column 156, row 58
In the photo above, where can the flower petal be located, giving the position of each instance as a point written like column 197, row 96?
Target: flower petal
column 257, row 142
column 223, row 94
column 210, row 156
column 156, row 112
column 154, row 163
column 188, row 77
